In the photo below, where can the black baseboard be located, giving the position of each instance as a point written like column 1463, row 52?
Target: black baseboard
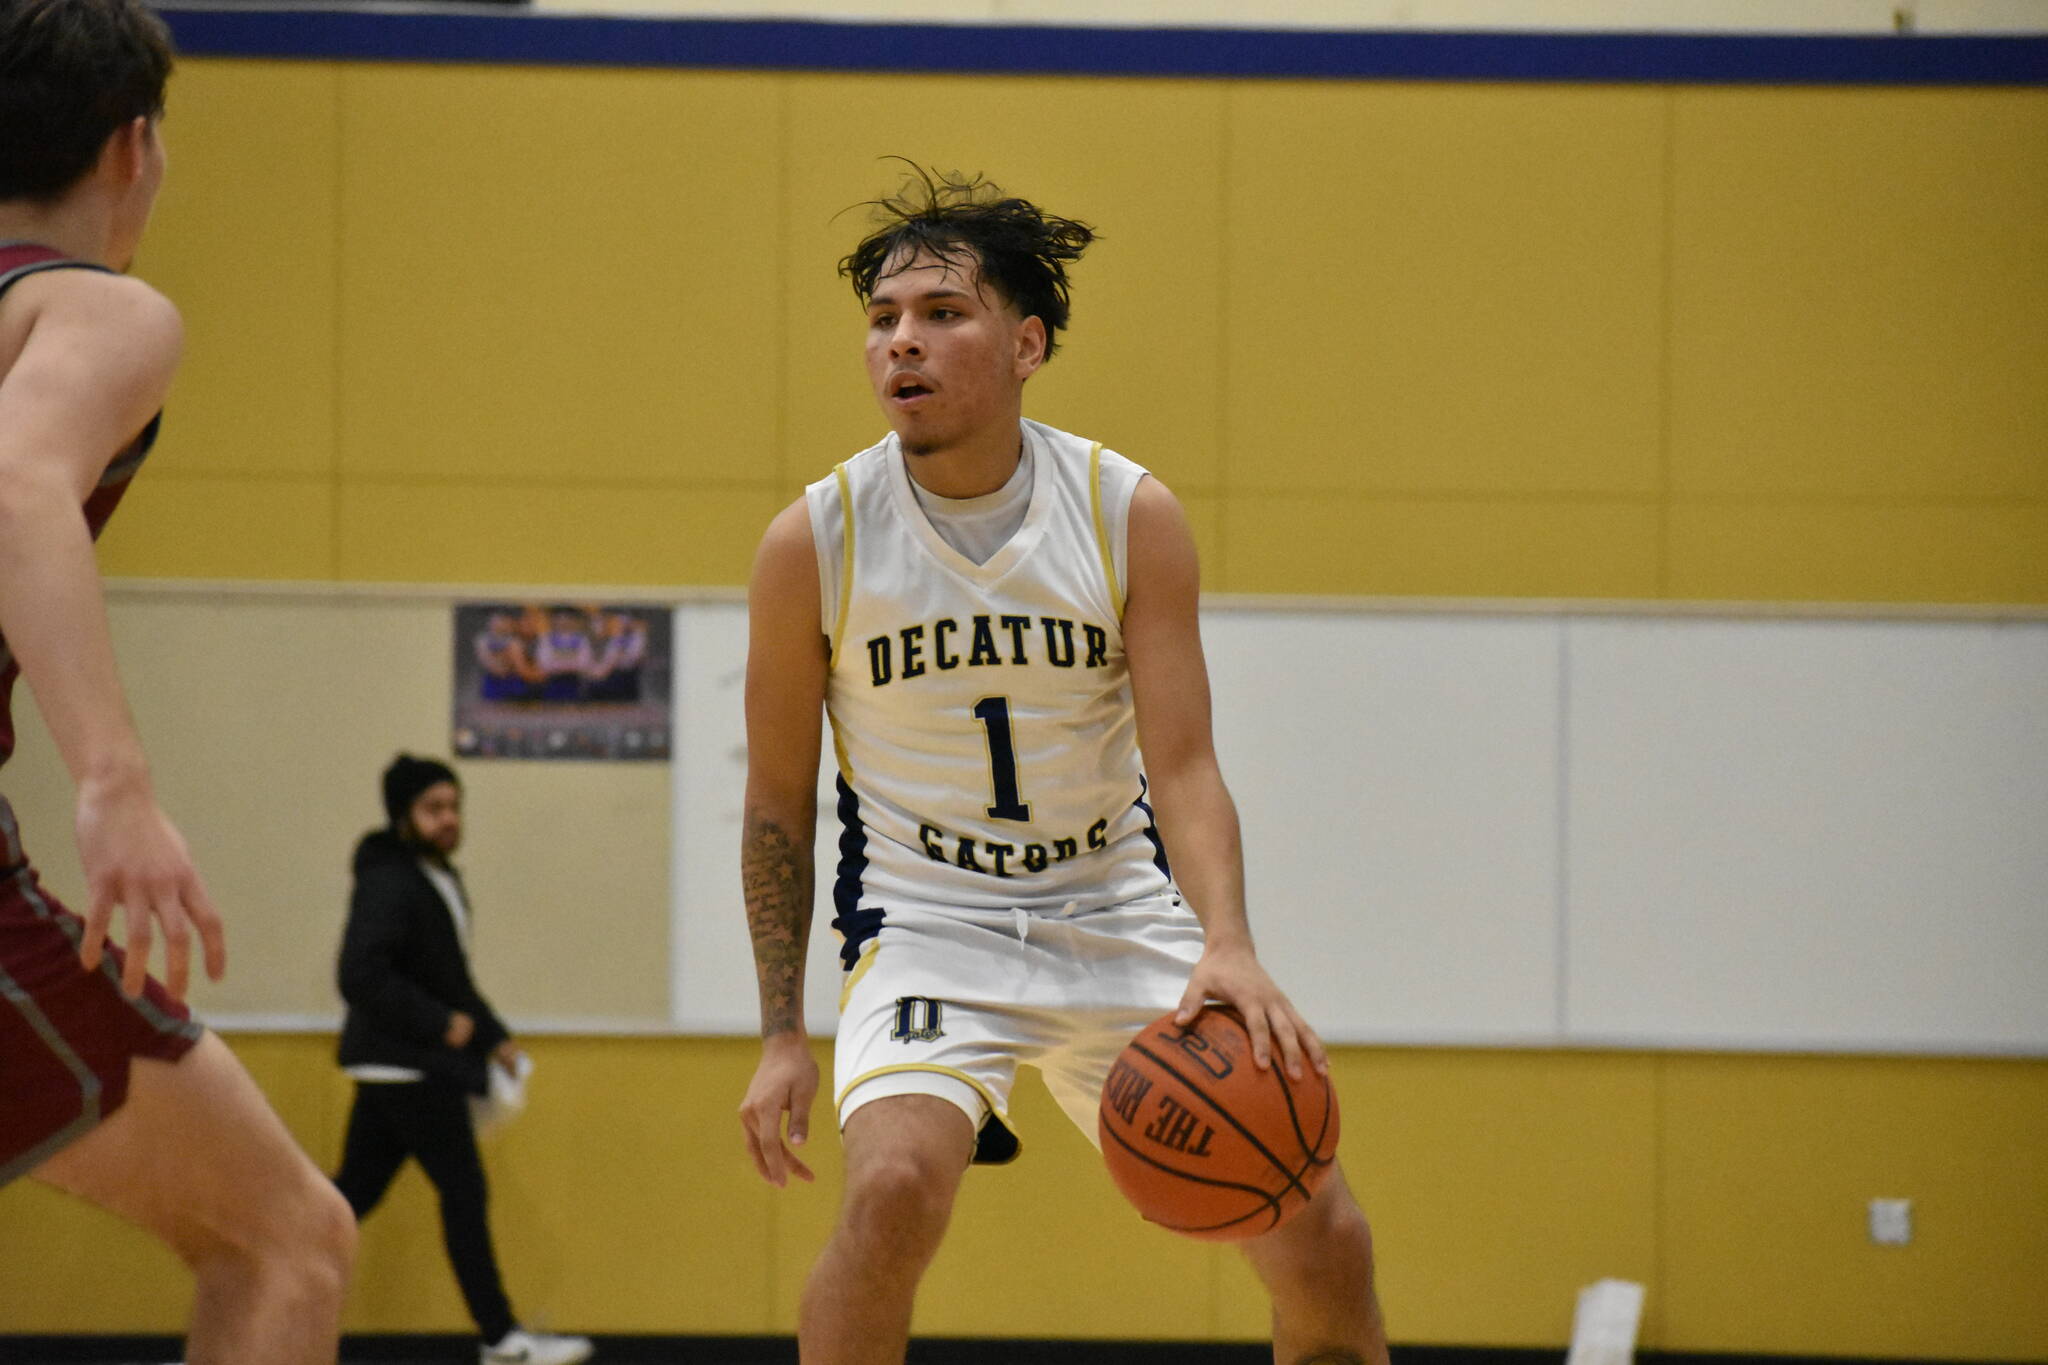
column 392, row 1349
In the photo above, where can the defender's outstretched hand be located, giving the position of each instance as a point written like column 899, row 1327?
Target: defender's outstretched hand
column 135, row 858
column 1234, row 976
column 786, row 1082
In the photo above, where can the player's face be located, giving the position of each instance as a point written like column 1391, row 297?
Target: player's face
column 436, row 817
column 947, row 356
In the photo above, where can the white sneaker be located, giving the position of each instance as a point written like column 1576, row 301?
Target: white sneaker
column 521, row 1347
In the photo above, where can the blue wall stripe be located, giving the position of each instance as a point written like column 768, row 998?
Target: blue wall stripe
column 523, row 36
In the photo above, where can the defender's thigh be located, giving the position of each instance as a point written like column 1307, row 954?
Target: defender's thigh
column 68, row 1037
column 197, row 1157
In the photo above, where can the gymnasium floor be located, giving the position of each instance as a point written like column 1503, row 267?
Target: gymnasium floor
column 645, row 1350
column 675, row 1350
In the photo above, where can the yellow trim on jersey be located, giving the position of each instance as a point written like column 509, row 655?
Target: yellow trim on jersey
column 860, row 969
column 1116, row 592
column 839, row 750
column 987, row 1095
column 846, row 561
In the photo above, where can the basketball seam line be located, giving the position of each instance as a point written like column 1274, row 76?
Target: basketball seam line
column 1268, row 1203
column 1311, row 1157
column 1230, row 1118
column 1294, row 1116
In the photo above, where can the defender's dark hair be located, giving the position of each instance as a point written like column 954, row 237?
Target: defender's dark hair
column 71, row 72
column 1022, row 250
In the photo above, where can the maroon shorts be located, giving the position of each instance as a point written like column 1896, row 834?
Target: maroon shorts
column 67, row 1034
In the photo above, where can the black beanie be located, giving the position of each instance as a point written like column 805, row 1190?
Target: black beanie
column 406, row 778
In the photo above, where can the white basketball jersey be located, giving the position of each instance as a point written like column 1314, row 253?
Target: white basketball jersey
column 987, row 745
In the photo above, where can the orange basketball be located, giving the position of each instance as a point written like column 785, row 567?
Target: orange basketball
column 1205, row 1143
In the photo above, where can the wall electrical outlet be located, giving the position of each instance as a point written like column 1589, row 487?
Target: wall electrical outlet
column 1891, row 1222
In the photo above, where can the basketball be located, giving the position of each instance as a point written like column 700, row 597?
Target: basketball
column 1203, row 1142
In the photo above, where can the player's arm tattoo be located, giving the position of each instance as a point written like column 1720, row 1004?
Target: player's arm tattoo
column 775, row 874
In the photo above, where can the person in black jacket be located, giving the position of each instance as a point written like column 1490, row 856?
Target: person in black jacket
column 420, row 1038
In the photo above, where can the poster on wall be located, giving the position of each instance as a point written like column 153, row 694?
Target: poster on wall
column 557, row 680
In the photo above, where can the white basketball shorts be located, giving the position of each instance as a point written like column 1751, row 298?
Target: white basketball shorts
column 947, row 1002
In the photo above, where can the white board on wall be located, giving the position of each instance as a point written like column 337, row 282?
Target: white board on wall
column 269, row 712
column 1809, row 834
column 1397, row 784
column 1396, row 779
column 1548, row 829
column 1461, row 827
column 712, row 982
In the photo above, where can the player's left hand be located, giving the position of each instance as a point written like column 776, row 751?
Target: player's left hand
column 136, row 861
column 1233, row 975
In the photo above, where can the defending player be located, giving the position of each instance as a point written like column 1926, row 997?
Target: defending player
column 998, row 617
column 112, row 1091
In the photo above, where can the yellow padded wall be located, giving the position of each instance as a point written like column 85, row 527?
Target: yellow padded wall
column 1320, row 543
column 1859, row 282
column 1444, row 289
column 1859, row 295
column 621, row 1201
column 220, row 525
column 457, row 324
column 1768, row 1164
column 1443, row 329
column 244, row 241
column 482, row 531
column 1498, row 1183
column 559, row 346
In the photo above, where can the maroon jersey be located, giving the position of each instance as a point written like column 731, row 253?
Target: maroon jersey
column 17, row 261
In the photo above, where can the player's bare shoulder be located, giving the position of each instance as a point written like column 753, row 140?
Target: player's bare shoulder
column 135, row 318
column 88, row 358
column 786, row 564
column 1153, row 502
column 1162, row 545
column 785, row 625
column 111, row 336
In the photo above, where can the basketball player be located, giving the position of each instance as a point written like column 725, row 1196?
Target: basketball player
column 113, row 1092
column 507, row 673
column 997, row 617
column 564, row 656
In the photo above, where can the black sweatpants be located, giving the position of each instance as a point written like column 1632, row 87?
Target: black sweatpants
column 428, row 1120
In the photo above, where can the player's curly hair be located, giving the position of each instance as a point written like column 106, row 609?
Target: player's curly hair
column 1022, row 250
column 71, row 72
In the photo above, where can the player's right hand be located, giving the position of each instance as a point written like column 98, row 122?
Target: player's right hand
column 785, row 1082
column 135, row 859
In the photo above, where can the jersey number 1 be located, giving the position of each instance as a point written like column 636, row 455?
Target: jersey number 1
column 994, row 715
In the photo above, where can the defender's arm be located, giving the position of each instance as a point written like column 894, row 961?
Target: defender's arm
column 93, row 370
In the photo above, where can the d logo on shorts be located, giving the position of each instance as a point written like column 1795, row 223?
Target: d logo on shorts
column 917, row 1019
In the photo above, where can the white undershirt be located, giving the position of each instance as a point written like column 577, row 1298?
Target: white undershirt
column 978, row 527
column 451, row 892
column 458, row 909
column 829, row 537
